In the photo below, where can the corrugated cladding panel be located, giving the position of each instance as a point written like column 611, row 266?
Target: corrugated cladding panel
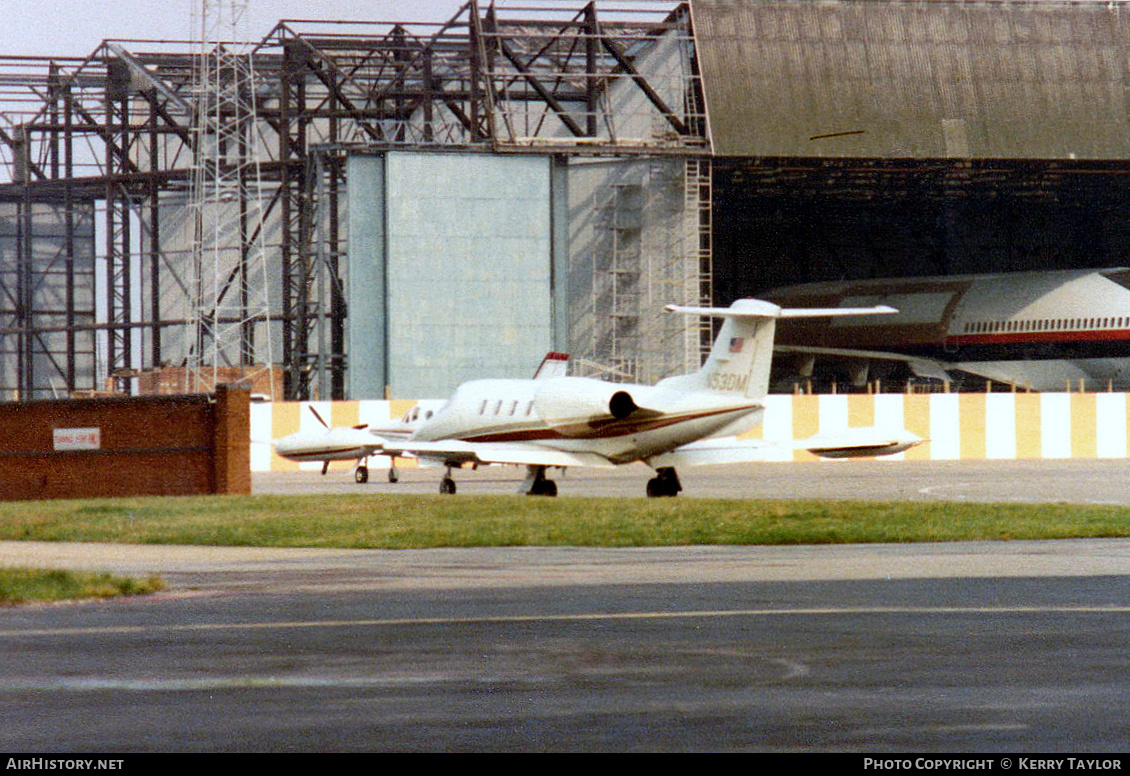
column 450, row 268
column 931, row 79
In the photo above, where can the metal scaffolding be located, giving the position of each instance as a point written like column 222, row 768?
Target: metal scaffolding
column 99, row 155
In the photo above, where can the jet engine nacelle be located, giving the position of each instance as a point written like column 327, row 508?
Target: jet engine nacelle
column 574, row 406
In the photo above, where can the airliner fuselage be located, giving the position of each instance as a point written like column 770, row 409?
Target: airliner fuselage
column 1036, row 330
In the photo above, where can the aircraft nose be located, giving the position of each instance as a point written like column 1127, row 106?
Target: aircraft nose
column 285, row 444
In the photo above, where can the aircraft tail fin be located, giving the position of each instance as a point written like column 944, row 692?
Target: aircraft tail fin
column 742, row 354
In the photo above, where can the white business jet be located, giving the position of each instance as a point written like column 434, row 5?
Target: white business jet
column 358, row 443
column 554, row 421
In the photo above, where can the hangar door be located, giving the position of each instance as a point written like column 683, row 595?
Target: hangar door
column 451, row 268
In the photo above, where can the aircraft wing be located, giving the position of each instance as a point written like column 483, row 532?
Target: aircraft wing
column 716, row 451
column 923, row 367
column 515, row 453
column 850, row 443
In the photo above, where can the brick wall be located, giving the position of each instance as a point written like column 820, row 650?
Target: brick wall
column 128, row 446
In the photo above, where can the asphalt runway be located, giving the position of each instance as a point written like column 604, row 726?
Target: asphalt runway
column 936, row 648
column 1071, row 481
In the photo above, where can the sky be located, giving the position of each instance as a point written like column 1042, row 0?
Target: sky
column 77, row 27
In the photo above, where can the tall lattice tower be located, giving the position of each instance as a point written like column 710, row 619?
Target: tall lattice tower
column 228, row 321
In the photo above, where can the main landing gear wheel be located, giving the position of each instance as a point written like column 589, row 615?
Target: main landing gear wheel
column 544, row 488
column 361, row 475
column 393, row 475
column 665, row 483
column 537, row 484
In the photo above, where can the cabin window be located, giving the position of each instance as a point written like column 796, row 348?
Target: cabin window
column 498, row 407
column 483, row 407
column 513, row 407
column 530, row 408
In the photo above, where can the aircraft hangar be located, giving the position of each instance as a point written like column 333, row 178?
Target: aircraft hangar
column 880, row 139
column 532, row 176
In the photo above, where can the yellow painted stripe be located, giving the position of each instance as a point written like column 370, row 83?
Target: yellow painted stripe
column 806, row 422
column 861, row 410
column 1084, row 415
column 284, row 420
column 345, row 413
column 1028, row 433
column 971, row 409
column 916, row 414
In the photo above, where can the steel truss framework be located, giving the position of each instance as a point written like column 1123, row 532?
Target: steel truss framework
column 112, row 133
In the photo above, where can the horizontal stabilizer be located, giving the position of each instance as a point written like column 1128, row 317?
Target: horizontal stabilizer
column 757, row 308
column 862, row 442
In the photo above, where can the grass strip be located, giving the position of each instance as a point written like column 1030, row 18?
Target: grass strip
column 402, row 522
column 22, row 585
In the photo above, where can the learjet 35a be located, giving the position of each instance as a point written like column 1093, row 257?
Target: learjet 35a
column 555, row 421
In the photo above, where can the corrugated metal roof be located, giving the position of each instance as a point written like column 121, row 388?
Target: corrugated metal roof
column 926, row 79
